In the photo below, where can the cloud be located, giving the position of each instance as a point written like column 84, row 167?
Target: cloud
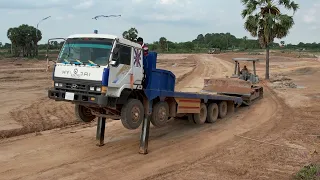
column 84, row 5
column 30, row 4
column 312, row 14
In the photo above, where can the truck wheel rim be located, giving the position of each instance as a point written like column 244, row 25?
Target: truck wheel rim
column 135, row 112
column 162, row 114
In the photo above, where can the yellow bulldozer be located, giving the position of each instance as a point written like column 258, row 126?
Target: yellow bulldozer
column 241, row 84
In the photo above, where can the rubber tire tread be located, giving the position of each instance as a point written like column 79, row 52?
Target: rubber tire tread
column 221, row 113
column 155, row 114
column 196, row 117
column 210, row 117
column 80, row 116
column 126, row 112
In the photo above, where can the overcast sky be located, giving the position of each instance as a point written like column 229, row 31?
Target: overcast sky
column 177, row 20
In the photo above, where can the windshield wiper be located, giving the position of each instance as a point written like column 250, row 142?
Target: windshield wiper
column 66, row 61
column 79, row 61
column 92, row 63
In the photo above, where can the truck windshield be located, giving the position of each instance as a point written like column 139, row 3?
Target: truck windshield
column 86, row 51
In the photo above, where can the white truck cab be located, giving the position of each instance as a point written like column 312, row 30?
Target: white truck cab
column 96, row 70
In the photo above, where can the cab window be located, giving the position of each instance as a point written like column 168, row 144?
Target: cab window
column 122, row 55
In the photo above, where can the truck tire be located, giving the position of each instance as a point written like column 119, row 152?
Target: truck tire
column 223, row 109
column 200, row 118
column 160, row 114
column 213, row 112
column 132, row 113
column 83, row 113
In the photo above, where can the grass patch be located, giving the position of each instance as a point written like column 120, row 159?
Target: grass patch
column 309, row 172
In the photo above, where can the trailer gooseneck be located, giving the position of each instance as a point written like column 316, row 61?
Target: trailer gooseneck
column 108, row 77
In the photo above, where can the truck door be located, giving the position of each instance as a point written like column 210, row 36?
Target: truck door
column 127, row 71
column 119, row 74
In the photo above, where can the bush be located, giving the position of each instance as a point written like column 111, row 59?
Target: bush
column 309, row 172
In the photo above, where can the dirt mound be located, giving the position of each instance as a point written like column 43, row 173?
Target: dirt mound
column 282, row 82
column 41, row 115
column 304, row 71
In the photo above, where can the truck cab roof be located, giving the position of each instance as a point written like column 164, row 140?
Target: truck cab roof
column 107, row 36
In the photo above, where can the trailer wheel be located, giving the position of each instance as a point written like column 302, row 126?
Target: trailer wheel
column 223, row 109
column 200, row 118
column 213, row 112
column 160, row 114
column 132, row 114
column 83, row 113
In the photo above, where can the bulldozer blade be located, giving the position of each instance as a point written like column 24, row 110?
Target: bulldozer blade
column 228, row 86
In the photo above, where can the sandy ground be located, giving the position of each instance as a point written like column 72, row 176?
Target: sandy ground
column 271, row 139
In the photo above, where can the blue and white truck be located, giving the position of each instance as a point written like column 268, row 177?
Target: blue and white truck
column 106, row 76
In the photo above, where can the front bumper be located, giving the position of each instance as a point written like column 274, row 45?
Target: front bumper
column 96, row 100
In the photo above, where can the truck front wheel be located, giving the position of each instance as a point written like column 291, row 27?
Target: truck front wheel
column 132, row 114
column 83, row 113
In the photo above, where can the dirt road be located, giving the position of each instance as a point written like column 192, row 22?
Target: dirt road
column 207, row 67
column 180, row 150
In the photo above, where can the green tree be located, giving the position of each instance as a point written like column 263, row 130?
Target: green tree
column 268, row 22
column 131, row 34
column 163, row 43
column 23, row 39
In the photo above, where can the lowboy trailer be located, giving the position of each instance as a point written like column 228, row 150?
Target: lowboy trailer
column 108, row 77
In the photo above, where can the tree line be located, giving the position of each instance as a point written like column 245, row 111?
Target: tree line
column 201, row 43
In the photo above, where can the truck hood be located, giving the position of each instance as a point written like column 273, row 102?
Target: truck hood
column 93, row 73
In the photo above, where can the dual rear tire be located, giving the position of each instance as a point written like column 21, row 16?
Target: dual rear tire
column 132, row 114
column 211, row 113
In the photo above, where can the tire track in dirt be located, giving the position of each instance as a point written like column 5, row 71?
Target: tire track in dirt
column 208, row 66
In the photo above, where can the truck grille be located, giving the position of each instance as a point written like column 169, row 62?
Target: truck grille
column 77, row 86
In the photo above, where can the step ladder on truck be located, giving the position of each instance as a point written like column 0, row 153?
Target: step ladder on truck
column 106, row 76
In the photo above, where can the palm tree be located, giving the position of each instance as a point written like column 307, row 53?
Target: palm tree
column 268, row 22
column 163, row 43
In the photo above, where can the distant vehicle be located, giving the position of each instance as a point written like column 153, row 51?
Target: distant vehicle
column 214, row 51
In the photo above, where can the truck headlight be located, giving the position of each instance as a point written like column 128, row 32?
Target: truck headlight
column 58, row 84
column 94, row 88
